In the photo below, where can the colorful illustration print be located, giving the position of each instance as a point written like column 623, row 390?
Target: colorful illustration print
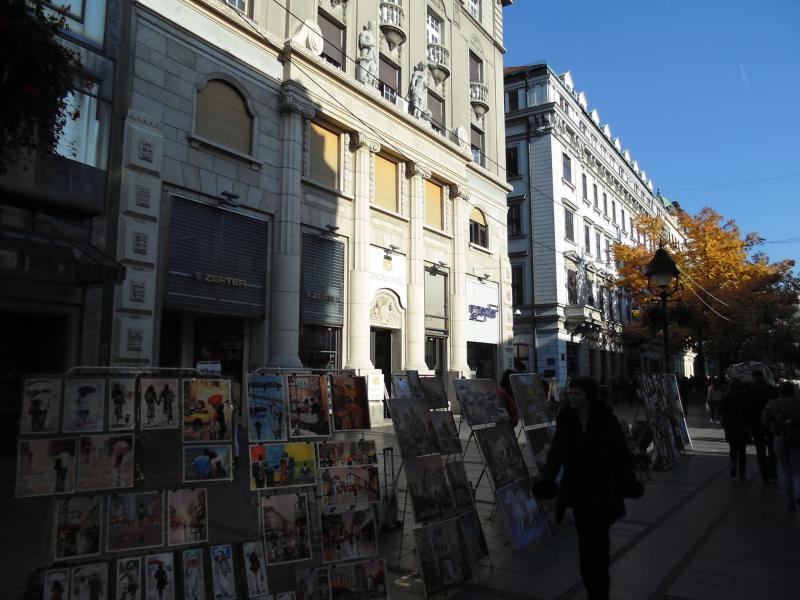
column 41, row 406
column 46, row 466
column 84, row 405
column 277, row 466
column 135, row 521
column 222, row 572
column 521, row 514
column 207, row 410
column 502, row 454
column 365, row 580
column 105, row 462
column 350, row 403
column 348, row 535
column 187, row 521
column 77, row 527
column 159, row 576
column 129, row 579
column 194, row 583
column 348, row 486
column 158, row 404
column 255, row 566
column 266, row 408
column 430, row 494
column 207, row 463
column 121, row 404
column 347, row 454
column 89, row 582
column 284, row 520
column 308, row 406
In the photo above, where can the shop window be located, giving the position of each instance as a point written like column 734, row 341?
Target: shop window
column 517, row 289
column 386, row 192
column 222, row 116
column 572, row 286
column 333, row 36
column 434, row 205
column 323, row 150
column 436, row 304
column 478, row 232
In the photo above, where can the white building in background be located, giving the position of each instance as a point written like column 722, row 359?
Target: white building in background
column 576, row 192
column 318, row 186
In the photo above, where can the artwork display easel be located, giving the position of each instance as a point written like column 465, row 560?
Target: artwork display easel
column 658, row 393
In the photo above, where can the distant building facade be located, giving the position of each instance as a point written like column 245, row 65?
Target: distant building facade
column 576, row 194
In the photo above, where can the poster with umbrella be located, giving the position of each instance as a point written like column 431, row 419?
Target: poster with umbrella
column 160, row 577
column 207, row 410
column 84, row 405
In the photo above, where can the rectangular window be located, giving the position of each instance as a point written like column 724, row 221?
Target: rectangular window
column 590, row 292
column 434, row 205
column 572, row 286
column 240, row 5
column 436, row 108
column 477, row 146
column 584, row 186
column 587, row 239
column 434, row 29
column 608, row 251
column 475, row 68
column 388, row 79
column 514, row 219
column 385, row 183
column 323, row 150
column 85, row 139
column 513, row 100
column 512, row 161
column 569, row 225
column 605, row 204
column 598, row 246
column 332, row 41
column 622, row 216
column 516, row 286
column 475, row 9
column 613, row 211
column 435, row 300
column 601, row 300
column 564, row 104
column 594, row 190
column 566, row 171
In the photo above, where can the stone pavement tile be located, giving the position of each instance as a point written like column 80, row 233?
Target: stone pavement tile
column 708, row 578
column 719, row 566
column 694, row 590
column 775, row 589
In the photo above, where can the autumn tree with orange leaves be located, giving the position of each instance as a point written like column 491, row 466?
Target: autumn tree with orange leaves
column 737, row 302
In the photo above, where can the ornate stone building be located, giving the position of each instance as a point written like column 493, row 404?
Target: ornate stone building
column 576, row 192
column 319, row 185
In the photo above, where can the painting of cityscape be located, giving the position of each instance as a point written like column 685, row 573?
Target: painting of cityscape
column 349, row 534
column 446, row 431
column 187, row 512
column 430, row 494
column 413, row 426
column 275, row 466
column 348, row 486
column 46, row 466
column 501, row 454
column 266, row 408
column 41, row 405
column 480, row 404
column 308, row 406
column 442, row 559
column 121, row 404
column 459, row 485
column 287, row 534
column 350, row 403
column 524, row 522
column 347, row 454
column 539, row 441
column 365, row 580
column 313, row 584
column 472, row 536
column 77, row 527
column 105, row 462
column 531, row 399
column 434, row 391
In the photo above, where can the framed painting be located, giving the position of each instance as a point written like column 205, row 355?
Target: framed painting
column 286, row 527
column 135, row 521
column 105, row 462
column 207, row 410
column 206, row 463
column 41, row 406
column 308, row 406
column 187, row 520
column 84, row 405
column 121, row 404
column 46, row 466
column 350, row 403
column 77, row 527
column 157, row 406
column 266, row 408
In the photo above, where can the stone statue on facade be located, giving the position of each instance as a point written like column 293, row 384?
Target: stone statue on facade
column 368, row 55
column 418, row 94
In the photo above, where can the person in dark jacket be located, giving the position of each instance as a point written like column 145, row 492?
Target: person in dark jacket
column 598, row 474
column 759, row 392
column 506, row 394
column 733, row 410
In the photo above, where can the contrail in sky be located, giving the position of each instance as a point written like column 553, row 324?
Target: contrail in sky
column 746, row 83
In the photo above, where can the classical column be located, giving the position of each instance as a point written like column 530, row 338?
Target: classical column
column 415, row 313
column 359, row 297
column 458, row 298
column 285, row 299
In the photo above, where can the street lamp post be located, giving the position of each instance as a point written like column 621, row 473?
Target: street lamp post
column 661, row 271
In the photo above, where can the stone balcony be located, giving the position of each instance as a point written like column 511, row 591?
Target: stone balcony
column 391, row 23
column 439, row 62
column 478, row 96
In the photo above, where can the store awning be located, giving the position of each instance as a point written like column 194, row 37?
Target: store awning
column 39, row 256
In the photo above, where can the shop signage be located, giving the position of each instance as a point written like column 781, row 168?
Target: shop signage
column 213, row 278
column 481, row 313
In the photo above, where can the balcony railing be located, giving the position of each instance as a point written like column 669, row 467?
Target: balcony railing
column 439, row 62
column 478, row 94
column 391, row 23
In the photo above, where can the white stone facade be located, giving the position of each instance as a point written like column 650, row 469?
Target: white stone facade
column 277, row 63
column 569, row 168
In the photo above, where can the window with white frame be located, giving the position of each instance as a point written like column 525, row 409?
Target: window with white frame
column 240, row 5
column 478, row 230
column 585, row 186
column 85, row 137
column 608, row 251
column 605, row 204
column 572, row 286
column 613, row 211
column 594, row 190
column 434, row 29
column 569, row 224
column 475, row 9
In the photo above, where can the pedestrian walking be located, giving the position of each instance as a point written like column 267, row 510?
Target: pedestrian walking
column 759, row 392
column 714, row 398
column 506, row 395
column 781, row 417
column 598, row 473
column 734, row 416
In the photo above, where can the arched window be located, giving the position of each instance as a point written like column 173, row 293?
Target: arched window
column 478, row 233
column 222, row 116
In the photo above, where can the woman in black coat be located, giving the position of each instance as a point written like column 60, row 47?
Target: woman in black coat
column 598, row 474
column 734, row 413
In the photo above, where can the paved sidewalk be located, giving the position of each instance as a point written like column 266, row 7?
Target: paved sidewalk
column 696, row 534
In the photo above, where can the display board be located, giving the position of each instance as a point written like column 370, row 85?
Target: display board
column 661, row 399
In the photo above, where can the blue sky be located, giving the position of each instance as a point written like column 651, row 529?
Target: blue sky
column 704, row 93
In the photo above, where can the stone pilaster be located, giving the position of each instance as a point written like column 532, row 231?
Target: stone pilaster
column 415, row 314
column 359, row 300
column 285, row 288
column 458, row 298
